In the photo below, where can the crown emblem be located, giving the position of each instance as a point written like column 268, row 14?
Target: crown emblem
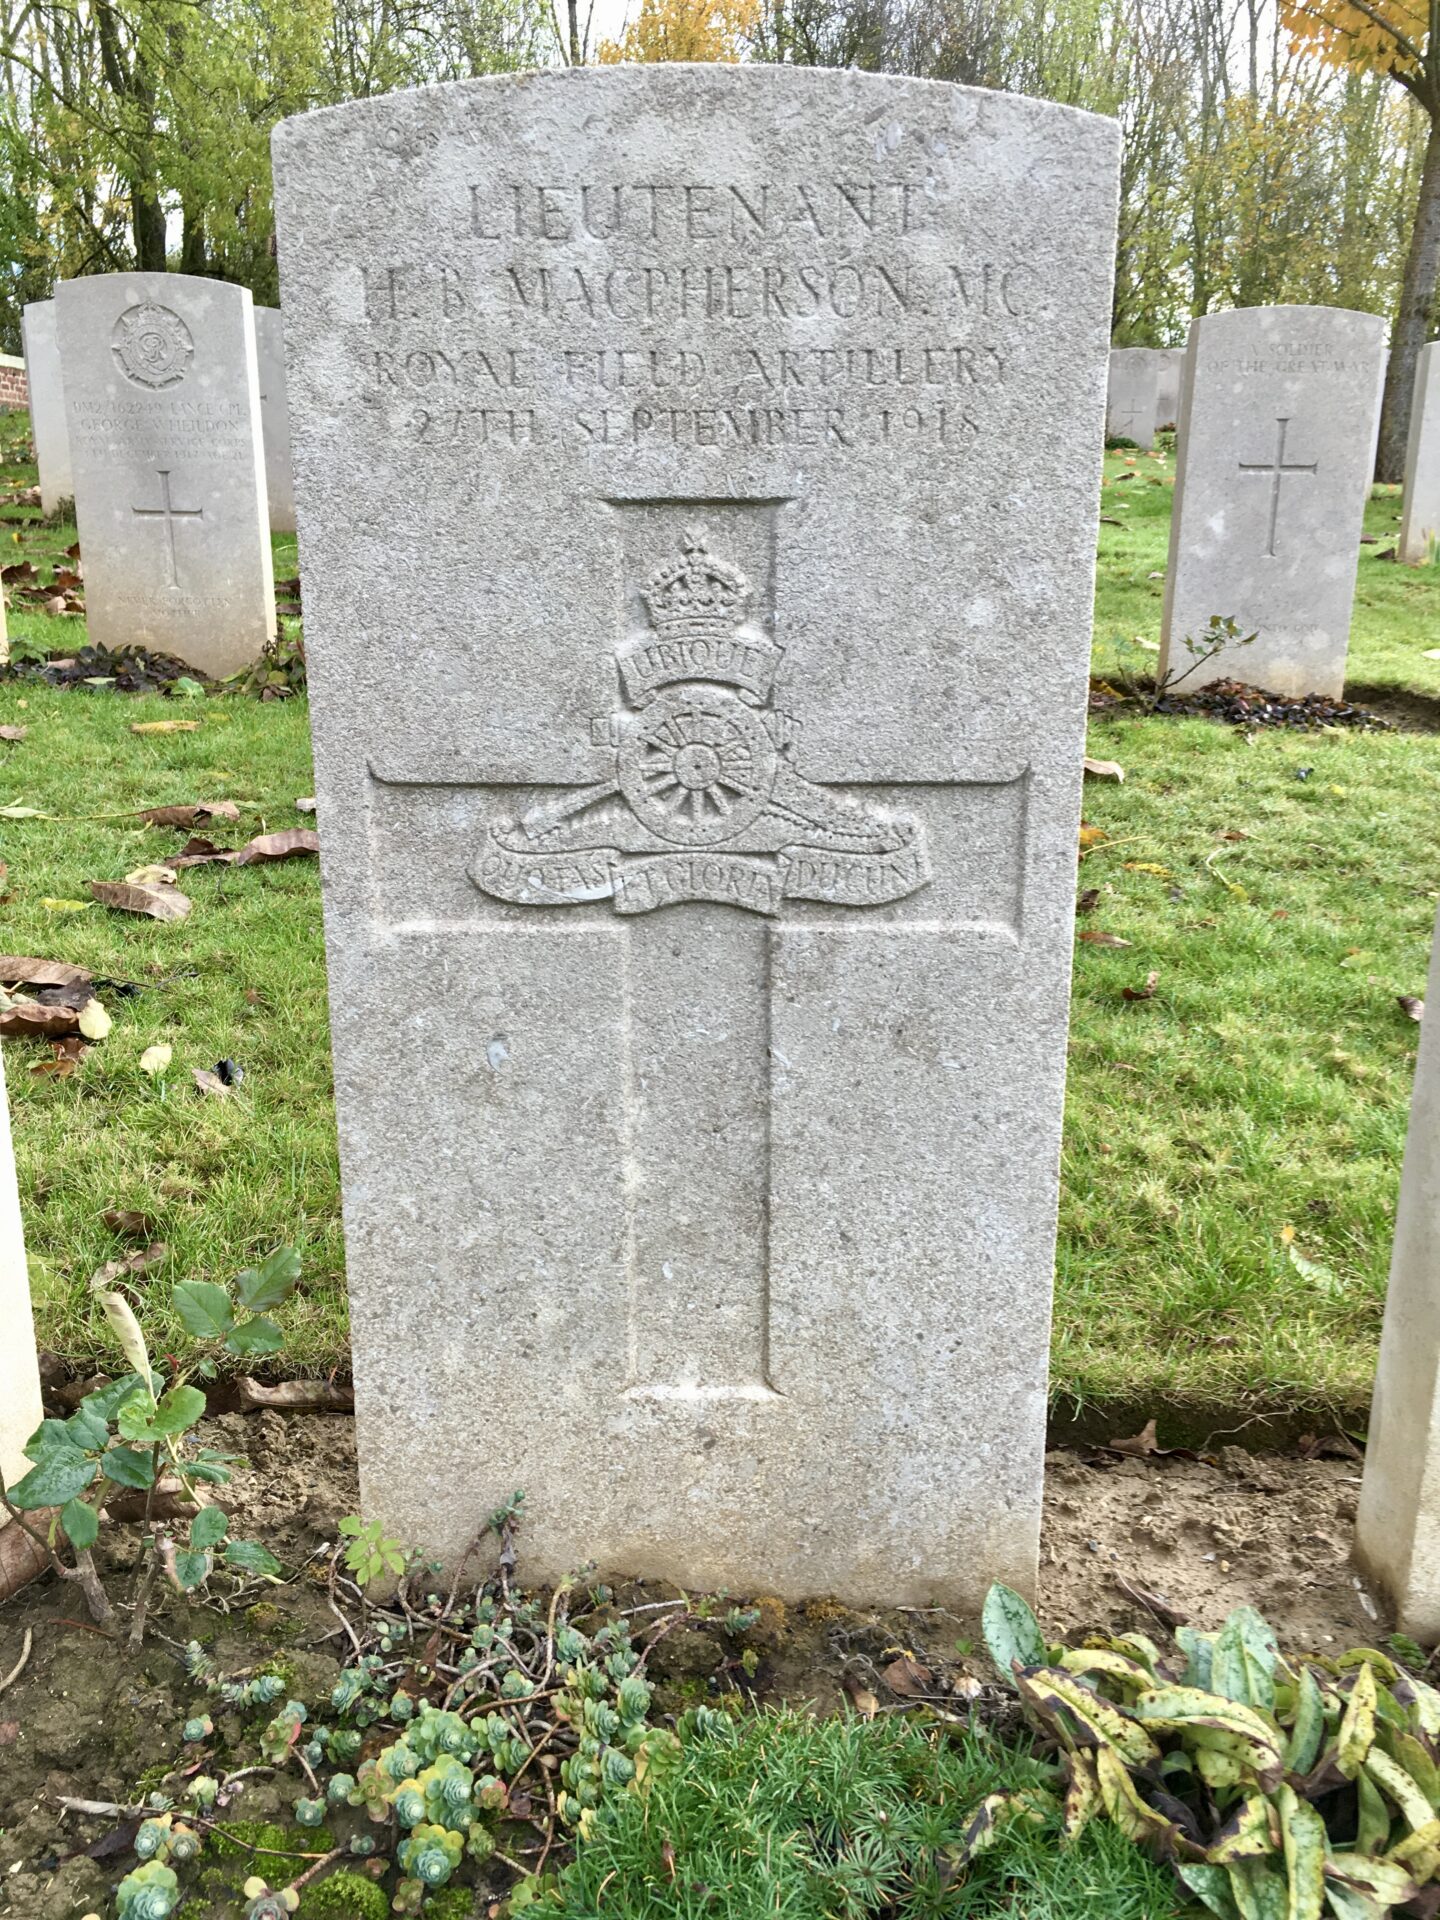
column 698, row 629
column 699, row 595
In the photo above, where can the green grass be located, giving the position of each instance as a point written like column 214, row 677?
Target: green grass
column 1264, row 1085
column 780, row 1814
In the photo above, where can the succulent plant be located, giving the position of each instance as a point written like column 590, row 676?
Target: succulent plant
column 283, row 1732
column 184, row 1843
column 339, row 1788
column 633, row 1698
column 203, row 1790
column 402, row 1707
column 362, row 1844
column 448, row 1786
column 348, row 1689
column 151, row 1892
column 266, row 1903
column 343, row 1745
column 200, row 1728
column 409, row 1803
column 153, row 1837
column 431, row 1854
column 309, row 1813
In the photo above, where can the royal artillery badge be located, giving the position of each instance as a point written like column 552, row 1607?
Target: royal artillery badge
column 704, row 800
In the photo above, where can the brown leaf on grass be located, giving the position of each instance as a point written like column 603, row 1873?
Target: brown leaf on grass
column 191, row 814
column 4, row 881
column 1090, row 836
column 158, row 903
column 210, row 1083
column 198, row 852
column 67, row 579
column 20, row 573
column 1412, row 1008
column 279, row 846
column 133, row 1263
column 1147, row 992
column 908, row 1678
column 165, row 726
column 1088, row 900
column 128, row 1220
column 65, row 1056
column 1097, row 937
column 16, row 968
column 1104, row 769
column 28, row 1018
column 13, row 733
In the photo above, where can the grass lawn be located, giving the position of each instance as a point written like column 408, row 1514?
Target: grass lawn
column 1282, row 889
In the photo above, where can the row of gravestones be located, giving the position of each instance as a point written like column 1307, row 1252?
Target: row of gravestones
column 1276, row 411
column 699, row 565
column 158, row 406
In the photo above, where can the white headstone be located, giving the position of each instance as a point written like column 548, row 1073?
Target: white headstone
column 163, row 409
column 47, row 404
column 1132, row 395
column 20, row 1409
column 1278, row 419
column 1420, row 522
column 1170, row 366
column 275, row 419
column 1398, row 1528
column 676, row 725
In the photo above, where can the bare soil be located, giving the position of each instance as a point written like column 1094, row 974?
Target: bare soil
column 1197, row 1534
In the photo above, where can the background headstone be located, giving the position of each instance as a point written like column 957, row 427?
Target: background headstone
column 275, row 419
column 47, row 404
column 1170, row 365
column 1279, row 412
column 1398, row 1527
column 698, row 559
column 1132, row 395
column 20, row 1410
column 162, row 408
column 1420, row 522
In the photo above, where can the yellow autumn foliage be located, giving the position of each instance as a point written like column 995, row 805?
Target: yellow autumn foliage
column 1388, row 36
column 684, row 30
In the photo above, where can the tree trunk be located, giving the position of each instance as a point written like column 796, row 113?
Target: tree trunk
column 149, row 225
column 192, row 241
column 1412, row 322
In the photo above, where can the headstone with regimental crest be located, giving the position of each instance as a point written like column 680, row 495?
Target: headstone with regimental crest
column 163, row 410
column 699, row 551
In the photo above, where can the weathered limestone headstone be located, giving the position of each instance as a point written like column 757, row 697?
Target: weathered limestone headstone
column 1170, row 365
column 1420, row 522
column 1133, row 395
column 1278, row 418
column 275, row 419
column 20, row 1410
column 1397, row 1537
column 162, row 406
column 47, row 404
column 698, row 548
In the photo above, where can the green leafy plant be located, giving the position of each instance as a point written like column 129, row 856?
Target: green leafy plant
column 1277, row 1788
column 1221, row 632
column 371, row 1552
column 136, row 1435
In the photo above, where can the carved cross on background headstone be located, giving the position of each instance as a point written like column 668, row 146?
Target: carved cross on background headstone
column 1277, row 470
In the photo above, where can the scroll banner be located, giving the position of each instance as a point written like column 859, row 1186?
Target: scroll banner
column 639, row 883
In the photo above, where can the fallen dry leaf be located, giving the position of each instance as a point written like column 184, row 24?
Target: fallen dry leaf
column 865, row 1703
column 191, row 814
column 15, row 968
column 908, row 1678
column 1410, row 1006
column 66, row 1055
column 279, row 846
column 1097, row 937
column 198, row 852
column 1140, row 1444
column 1088, row 900
column 94, row 1021
column 152, row 876
column 23, row 1017
column 13, row 733
column 64, row 906
column 1153, row 1602
column 210, row 1083
column 1104, row 770
column 297, row 1396
column 155, row 1059
column 1147, row 992
column 165, row 726
column 159, row 903
column 1090, row 836
column 307, row 805
column 127, row 1220
column 114, row 1270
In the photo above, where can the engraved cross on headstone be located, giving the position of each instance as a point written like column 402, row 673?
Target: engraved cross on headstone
column 704, row 811
column 1277, row 469
column 169, row 515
